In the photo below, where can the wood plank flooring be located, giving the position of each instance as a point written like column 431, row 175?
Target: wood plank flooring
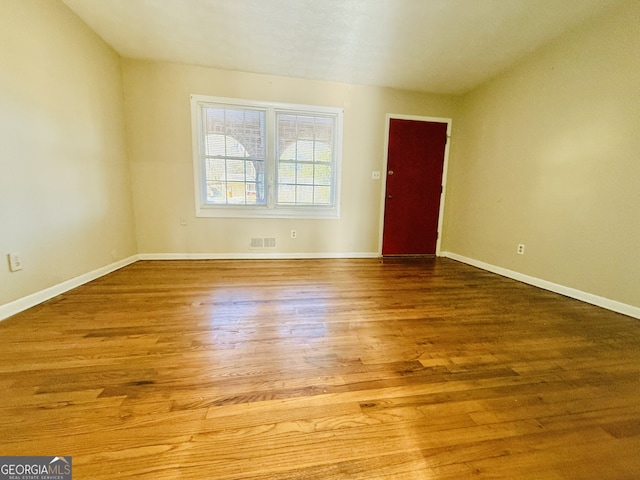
column 321, row 369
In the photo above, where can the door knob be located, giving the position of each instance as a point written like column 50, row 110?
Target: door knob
column 390, row 172
column 389, row 196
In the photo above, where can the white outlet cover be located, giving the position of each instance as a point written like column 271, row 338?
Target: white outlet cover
column 15, row 262
column 375, row 175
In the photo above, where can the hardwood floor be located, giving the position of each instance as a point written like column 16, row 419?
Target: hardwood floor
column 321, row 369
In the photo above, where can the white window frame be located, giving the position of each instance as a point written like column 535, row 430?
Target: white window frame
column 271, row 209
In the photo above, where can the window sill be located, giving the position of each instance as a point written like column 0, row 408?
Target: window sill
column 317, row 213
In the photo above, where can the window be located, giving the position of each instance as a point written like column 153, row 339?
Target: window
column 259, row 159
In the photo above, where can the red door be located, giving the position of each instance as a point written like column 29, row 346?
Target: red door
column 415, row 161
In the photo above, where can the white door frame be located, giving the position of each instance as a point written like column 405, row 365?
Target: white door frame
column 445, row 167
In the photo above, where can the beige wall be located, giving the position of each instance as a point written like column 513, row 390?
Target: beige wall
column 65, row 200
column 159, row 138
column 548, row 155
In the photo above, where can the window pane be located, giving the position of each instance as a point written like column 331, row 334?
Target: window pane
column 236, row 192
column 322, row 152
column 235, row 170
column 322, row 196
column 286, row 194
column 216, row 169
column 324, row 133
column 251, row 193
column 250, row 169
column 253, row 133
column 305, row 173
column 304, row 194
column 304, row 150
column 323, row 174
column 214, row 144
column 287, row 136
column 256, row 173
column 286, row 172
column 216, row 192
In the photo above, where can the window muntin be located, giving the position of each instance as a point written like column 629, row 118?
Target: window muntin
column 261, row 159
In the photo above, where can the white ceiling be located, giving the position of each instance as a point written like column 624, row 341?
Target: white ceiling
column 442, row 46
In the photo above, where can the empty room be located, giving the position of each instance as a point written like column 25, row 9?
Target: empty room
column 320, row 239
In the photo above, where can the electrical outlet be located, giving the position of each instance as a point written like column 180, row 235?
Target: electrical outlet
column 520, row 250
column 294, row 234
column 15, row 262
column 375, row 175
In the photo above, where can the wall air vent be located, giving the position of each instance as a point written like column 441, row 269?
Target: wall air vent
column 267, row 242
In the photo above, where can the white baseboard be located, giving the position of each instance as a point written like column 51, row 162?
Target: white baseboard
column 253, row 256
column 9, row 309
column 603, row 302
column 17, row 306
